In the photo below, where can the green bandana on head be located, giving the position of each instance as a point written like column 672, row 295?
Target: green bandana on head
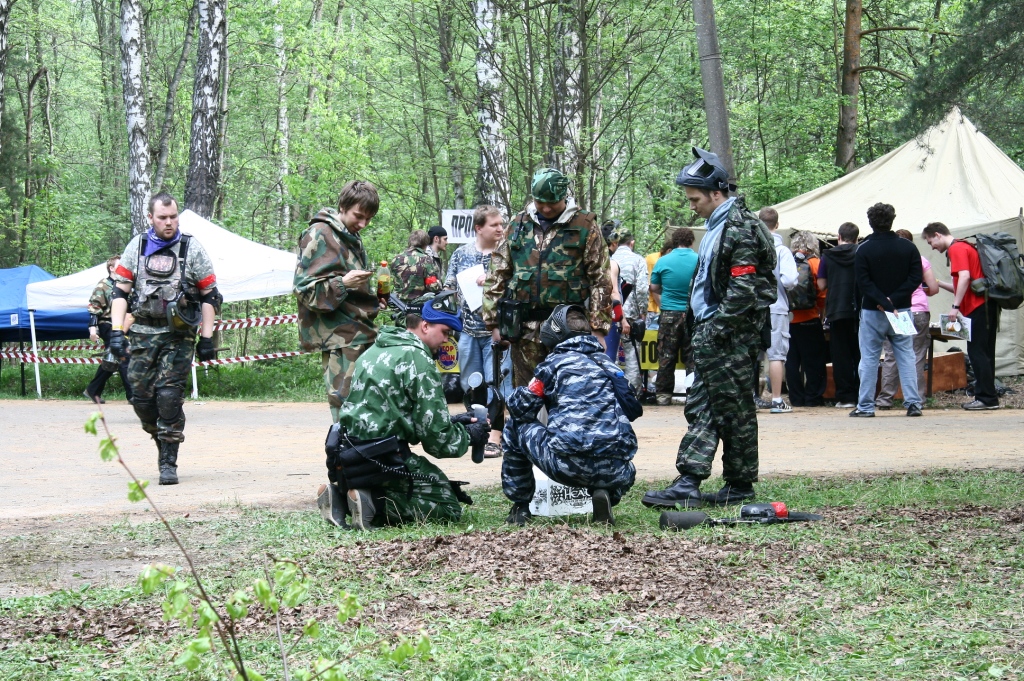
column 549, row 186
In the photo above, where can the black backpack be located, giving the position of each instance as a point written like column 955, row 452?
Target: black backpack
column 804, row 295
column 1003, row 267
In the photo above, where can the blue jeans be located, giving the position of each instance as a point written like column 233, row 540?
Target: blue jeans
column 475, row 355
column 874, row 329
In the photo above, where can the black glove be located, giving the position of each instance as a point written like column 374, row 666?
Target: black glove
column 465, row 418
column 117, row 343
column 205, row 350
column 479, row 433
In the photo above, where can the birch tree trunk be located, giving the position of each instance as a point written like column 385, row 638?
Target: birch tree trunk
column 284, row 210
column 201, row 184
column 5, row 11
column 846, row 135
column 446, row 41
column 163, row 148
column 135, row 113
column 492, row 184
column 565, row 120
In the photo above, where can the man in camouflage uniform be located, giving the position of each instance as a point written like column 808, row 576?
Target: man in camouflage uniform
column 397, row 392
column 333, row 288
column 99, row 327
column 175, row 290
column 587, row 440
column 732, row 290
column 414, row 271
column 553, row 253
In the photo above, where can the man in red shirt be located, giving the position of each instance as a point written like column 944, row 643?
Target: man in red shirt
column 965, row 265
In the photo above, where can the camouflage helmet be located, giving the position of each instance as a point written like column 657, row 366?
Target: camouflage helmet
column 549, row 185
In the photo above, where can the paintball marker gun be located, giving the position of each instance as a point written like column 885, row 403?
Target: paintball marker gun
column 750, row 514
column 479, row 413
column 497, row 407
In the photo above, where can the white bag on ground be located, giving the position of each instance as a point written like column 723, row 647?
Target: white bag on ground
column 552, row 499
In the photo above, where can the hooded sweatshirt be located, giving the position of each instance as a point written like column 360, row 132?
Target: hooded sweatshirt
column 785, row 273
column 396, row 390
column 841, row 302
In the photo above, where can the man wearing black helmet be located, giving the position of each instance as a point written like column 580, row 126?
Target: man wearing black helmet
column 586, row 440
column 397, row 400
column 732, row 291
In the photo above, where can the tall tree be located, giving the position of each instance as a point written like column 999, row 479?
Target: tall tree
column 164, row 145
column 283, row 133
column 5, row 13
column 492, row 174
column 201, row 183
column 849, row 91
column 715, row 107
column 135, row 113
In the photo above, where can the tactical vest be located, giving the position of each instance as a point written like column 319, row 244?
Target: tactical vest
column 553, row 276
column 159, row 281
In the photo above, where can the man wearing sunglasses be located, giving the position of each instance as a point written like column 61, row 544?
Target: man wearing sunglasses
column 553, row 254
column 732, row 290
column 397, row 400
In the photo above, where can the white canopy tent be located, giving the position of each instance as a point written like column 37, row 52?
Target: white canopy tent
column 245, row 270
column 953, row 174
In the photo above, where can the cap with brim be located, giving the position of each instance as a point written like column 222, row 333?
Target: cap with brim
column 549, row 186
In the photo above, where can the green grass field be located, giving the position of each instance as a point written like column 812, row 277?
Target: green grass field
column 912, row 577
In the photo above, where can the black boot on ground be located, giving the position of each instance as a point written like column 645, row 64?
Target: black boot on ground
column 169, row 463
column 520, row 514
column 683, row 492
column 602, row 508
column 730, row 494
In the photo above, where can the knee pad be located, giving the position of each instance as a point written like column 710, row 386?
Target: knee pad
column 146, row 410
column 168, row 403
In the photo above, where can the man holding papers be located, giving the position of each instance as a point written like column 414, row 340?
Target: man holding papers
column 466, row 272
column 888, row 271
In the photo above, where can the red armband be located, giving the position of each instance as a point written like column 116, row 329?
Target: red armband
column 536, row 387
column 430, row 281
column 740, row 270
column 617, row 312
column 123, row 271
column 207, row 282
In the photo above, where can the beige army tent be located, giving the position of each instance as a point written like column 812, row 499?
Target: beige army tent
column 952, row 174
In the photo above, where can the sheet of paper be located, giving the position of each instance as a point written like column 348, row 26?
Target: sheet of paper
column 958, row 328
column 472, row 292
column 902, row 323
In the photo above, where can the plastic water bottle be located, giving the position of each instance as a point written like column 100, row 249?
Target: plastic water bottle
column 383, row 280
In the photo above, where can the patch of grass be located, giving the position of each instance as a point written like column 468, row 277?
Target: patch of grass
column 909, row 577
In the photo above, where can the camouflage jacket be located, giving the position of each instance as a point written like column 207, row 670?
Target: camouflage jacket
column 99, row 301
column 742, row 269
column 584, row 416
column 594, row 286
column 415, row 273
column 396, row 390
column 330, row 315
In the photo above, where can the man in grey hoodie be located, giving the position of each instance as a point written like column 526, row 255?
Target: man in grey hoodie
column 786, row 274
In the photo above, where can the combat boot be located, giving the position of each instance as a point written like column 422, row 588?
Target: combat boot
column 602, row 508
column 332, row 508
column 683, row 492
column 169, row 463
column 362, row 508
column 520, row 514
column 731, row 493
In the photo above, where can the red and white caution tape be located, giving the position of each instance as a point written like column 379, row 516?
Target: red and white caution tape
column 226, row 324
column 249, row 358
column 67, row 348
column 29, row 358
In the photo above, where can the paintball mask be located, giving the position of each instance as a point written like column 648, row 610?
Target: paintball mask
column 183, row 315
column 555, row 328
column 706, row 172
column 442, row 308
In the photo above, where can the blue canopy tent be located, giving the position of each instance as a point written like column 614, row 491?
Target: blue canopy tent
column 16, row 322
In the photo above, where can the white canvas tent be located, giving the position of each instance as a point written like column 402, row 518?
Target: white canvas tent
column 952, row 174
column 245, row 271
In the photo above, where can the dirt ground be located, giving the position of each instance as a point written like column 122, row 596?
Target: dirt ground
column 271, row 454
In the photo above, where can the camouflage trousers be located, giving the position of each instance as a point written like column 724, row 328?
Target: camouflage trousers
column 424, row 500
column 524, row 445
column 673, row 340
column 157, row 371
column 339, row 365
column 720, row 406
column 526, row 355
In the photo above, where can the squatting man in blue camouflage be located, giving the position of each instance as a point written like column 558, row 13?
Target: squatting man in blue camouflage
column 586, row 440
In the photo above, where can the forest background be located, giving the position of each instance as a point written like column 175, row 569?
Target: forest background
column 256, row 113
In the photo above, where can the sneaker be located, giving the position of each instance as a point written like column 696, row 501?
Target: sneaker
column 664, row 400
column 780, row 407
column 492, row 450
column 328, row 500
column 602, row 508
column 914, row 410
column 845, row 405
column 883, row 407
column 760, row 403
column 978, row 405
column 520, row 514
column 360, row 505
column 857, row 413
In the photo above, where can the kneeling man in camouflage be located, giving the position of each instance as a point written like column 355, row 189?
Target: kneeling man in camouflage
column 396, row 400
column 586, row 440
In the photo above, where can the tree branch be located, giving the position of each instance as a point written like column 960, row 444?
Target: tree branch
column 880, row 29
column 895, row 74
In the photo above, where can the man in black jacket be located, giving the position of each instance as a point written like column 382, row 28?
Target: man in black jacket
column 888, row 271
column 841, row 307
